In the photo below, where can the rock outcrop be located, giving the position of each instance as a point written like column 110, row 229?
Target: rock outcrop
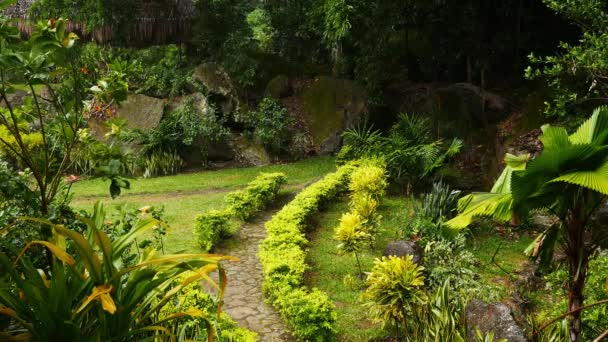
column 329, row 107
column 217, row 81
column 402, row 248
column 279, row 87
column 495, row 317
column 249, row 152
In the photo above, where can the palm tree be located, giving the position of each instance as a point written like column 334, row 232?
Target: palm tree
column 570, row 180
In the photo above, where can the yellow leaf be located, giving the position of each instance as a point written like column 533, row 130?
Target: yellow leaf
column 8, row 312
column 57, row 251
column 100, row 293
column 107, row 303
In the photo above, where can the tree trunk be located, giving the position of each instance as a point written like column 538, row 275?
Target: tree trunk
column 578, row 260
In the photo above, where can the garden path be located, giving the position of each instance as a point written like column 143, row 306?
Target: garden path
column 243, row 298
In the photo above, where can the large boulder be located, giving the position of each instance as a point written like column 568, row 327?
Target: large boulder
column 140, row 111
column 217, row 81
column 329, row 106
column 402, row 248
column 495, row 317
column 462, row 105
column 215, row 151
column 249, row 152
column 200, row 102
column 279, row 87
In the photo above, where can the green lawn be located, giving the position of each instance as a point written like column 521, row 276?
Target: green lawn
column 328, row 268
column 185, row 196
column 500, row 256
column 298, row 172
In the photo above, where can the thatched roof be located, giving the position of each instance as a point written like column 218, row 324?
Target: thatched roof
column 157, row 22
column 19, row 9
column 154, row 9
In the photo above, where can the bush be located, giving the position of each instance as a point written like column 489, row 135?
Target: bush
column 410, row 153
column 369, row 180
column 214, row 225
column 261, row 191
column 271, row 123
column 211, row 226
column 395, row 287
column 161, row 163
column 310, row 315
column 180, row 128
column 193, row 299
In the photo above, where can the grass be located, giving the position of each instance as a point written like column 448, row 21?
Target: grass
column 501, row 255
column 329, row 268
column 185, row 196
column 298, row 172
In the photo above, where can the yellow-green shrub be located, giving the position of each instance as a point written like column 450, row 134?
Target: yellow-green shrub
column 214, row 225
column 256, row 196
column 309, row 314
column 193, row 299
column 211, row 226
column 394, row 286
column 370, row 179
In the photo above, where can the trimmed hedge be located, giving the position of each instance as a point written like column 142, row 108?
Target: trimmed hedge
column 310, row 315
column 215, row 225
column 261, row 191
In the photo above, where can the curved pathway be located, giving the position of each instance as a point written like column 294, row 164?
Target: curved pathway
column 243, row 299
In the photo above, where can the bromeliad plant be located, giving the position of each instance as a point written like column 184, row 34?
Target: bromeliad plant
column 89, row 295
column 570, row 180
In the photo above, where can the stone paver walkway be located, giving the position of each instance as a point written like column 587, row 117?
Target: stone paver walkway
column 243, row 299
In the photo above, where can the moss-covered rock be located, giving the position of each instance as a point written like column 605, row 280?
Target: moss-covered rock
column 279, row 87
column 217, row 81
column 330, row 106
column 248, row 152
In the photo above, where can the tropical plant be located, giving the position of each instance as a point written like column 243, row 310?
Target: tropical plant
column 408, row 150
column 89, row 295
column 160, row 163
column 395, row 287
column 439, row 204
column 193, row 299
column 42, row 132
column 352, row 235
column 569, row 179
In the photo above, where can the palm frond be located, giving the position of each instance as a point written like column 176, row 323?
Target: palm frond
column 594, row 130
column 514, row 163
column 497, row 206
column 596, row 180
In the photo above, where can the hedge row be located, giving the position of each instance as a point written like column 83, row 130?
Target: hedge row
column 309, row 314
column 214, row 225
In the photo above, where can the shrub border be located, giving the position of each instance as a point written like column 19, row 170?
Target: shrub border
column 311, row 315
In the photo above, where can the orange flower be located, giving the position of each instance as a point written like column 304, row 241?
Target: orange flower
column 84, row 70
column 72, row 179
